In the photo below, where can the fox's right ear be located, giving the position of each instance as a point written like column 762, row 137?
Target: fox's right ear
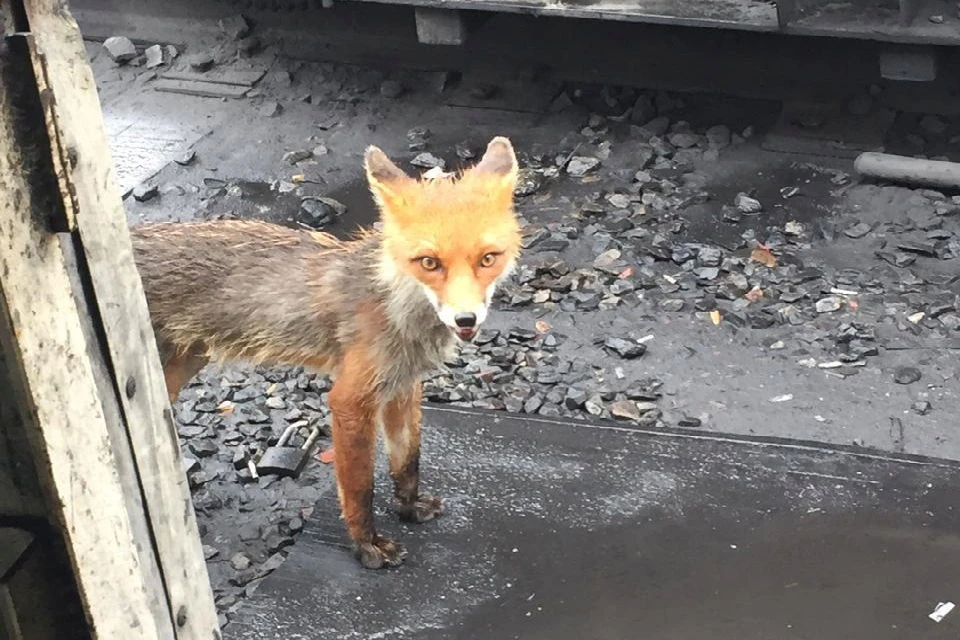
column 385, row 178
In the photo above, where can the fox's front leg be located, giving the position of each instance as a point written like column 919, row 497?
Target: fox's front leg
column 355, row 409
column 401, row 426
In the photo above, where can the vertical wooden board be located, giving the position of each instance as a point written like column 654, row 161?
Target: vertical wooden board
column 53, row 383
column 120, row 445
column 102, row 226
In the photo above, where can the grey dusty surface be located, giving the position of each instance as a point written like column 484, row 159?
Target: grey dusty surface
column 677, row 275
column 559, row 530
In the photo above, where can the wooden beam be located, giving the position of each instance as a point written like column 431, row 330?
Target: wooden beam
column 53, row 388
column 786, row 12
column 133, row 355
column 440, row 26
column 86, row 369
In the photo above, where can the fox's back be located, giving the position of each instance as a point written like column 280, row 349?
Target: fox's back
column 181, row 261
column 262, row 292
column 222, row 283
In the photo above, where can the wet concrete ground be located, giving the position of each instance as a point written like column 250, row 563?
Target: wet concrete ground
column 618, row 533
column 558, row 530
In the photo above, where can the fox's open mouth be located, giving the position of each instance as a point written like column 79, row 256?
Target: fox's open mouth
column 466, row 334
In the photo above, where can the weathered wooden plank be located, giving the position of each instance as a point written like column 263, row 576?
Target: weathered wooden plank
column 133, row 355
column 63, row 218
column 881, row 22
column 202, row 89
column 53, row 385
column 738, row 14
column 440, row 26
column 240, row 77
column 859, row 20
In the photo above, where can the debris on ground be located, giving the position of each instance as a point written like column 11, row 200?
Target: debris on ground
column 145, row 192
column 186, row 158
column 120, row 49
column 153, row 56
column 764, row 256
column 392, row 89
column 295, row 157
column 326, row 456
column 427, row 160
column 921, row 407
column 579, row 166
column 201, row 61
column 319, row 212
column 941, row 611
column 746, row 204
column 906, row 375
column 271, row 109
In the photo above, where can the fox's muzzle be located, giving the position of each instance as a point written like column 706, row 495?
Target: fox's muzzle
column 466, row 322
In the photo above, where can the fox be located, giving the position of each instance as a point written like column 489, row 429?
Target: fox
column 375, row 312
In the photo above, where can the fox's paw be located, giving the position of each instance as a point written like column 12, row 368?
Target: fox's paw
column 382, row 552
column 423, row 509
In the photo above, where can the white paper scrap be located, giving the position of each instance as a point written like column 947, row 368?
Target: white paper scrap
column 943, row 608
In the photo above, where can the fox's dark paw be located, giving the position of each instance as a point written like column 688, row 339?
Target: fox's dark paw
column 423, row 509
column 382, row 552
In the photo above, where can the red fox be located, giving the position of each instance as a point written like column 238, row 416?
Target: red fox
column 376, row 312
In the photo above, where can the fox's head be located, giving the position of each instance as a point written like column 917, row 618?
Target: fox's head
column 457, row 236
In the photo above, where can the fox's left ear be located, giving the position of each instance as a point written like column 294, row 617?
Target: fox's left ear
column 499, row 161
column 386, row 179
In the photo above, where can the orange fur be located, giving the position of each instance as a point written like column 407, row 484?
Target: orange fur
column 458, row 223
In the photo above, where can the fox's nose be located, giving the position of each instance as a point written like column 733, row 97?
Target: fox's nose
column 466, row 320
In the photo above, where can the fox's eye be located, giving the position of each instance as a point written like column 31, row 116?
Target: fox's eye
column 429, row 263
column 488, row 259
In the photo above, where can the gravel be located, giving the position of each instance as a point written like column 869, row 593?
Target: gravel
column 120, row 49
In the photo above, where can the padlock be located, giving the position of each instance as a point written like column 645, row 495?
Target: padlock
column 283, row 460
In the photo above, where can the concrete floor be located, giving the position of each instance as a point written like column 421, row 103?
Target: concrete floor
column 559, row 530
